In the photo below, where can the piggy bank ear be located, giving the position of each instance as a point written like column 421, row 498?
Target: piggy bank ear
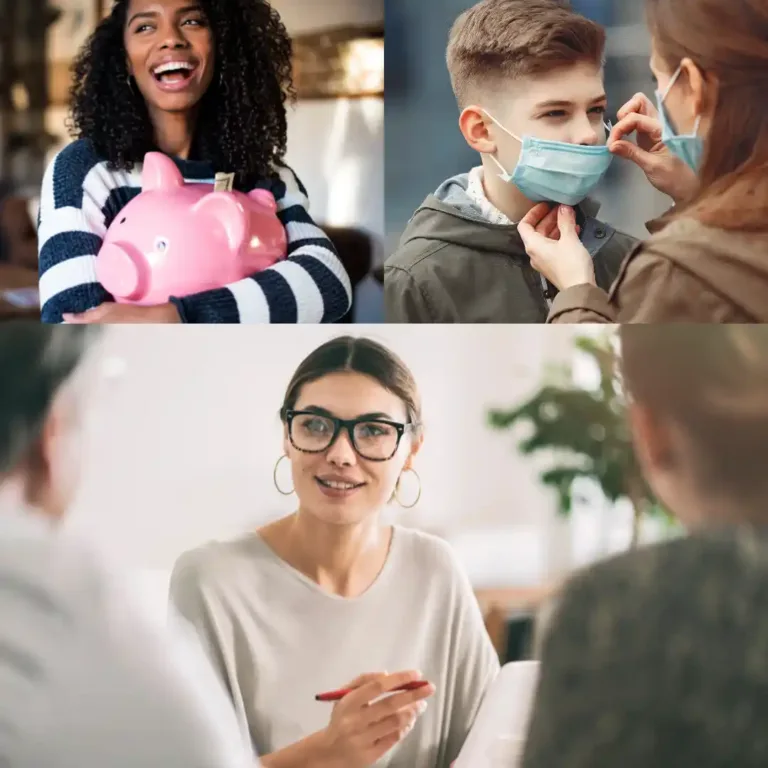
column 160, row 172
column 263, row 197
column 225, row 208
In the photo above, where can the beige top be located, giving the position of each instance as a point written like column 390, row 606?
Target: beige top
column 277, row 639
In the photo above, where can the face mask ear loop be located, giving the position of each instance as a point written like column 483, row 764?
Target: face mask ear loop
column 499, row 165
column 672, row 82
column 696, row 126
column 506, row 130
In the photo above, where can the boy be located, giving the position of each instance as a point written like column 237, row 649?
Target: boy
column 519, row 69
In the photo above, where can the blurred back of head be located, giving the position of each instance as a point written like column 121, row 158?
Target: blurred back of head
column 711, row 383
column 496, row 42
column 659, row 658
column 36, row 362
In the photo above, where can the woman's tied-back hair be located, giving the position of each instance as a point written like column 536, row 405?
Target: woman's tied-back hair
column 727, row 39
column 711, row 380
column 357, row 355
column 242, row 125
column 495, row 42
column 35, row 361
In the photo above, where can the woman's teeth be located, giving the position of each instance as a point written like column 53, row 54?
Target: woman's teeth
column 174, row 70
column 338, row 485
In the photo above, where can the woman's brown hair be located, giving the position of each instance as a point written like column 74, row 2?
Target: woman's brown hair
column 712, row 381
column 728, row 41
column 356, row 355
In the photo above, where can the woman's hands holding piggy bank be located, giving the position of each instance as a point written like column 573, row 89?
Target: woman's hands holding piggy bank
column 177, row 239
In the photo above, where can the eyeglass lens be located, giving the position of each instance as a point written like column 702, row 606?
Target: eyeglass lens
column 373, row 440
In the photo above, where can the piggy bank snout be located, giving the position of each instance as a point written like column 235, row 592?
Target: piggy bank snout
column 122, row 271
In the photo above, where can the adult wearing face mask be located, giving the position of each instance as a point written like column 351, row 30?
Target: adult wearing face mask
column 528, row 78
column 86, row 679
column 705, row 144
column 330, row 597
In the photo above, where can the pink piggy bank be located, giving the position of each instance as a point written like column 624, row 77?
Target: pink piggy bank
column 175, row 239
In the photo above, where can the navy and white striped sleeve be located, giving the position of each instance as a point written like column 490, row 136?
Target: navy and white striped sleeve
column 77, row 188
column 310, row 286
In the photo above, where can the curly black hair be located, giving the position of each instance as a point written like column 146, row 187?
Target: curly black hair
column 242, row 126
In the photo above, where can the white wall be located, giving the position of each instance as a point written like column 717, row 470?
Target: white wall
column 181, row 447
column 336, row 146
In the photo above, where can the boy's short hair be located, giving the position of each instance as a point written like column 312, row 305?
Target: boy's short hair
column 498, row 40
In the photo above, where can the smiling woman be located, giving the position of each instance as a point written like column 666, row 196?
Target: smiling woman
column 330, row 594
column 206, row 83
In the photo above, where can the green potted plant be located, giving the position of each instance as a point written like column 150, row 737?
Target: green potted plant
column 587, row 429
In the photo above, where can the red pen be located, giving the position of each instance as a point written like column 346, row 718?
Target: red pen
column 337, row 695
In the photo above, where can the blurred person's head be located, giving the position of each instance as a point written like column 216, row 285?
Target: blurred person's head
column 529, row 67
column 232, row 77
column 711, row 61
column 40, row 412
column 346, row 474
column 656, row 658
column 699, row 416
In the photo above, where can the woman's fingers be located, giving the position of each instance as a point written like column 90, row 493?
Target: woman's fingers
column 566, row 221
column 381, row 685
column 548, row 224
column 635, row 122
column 94, row 315
column 396, row 703
column 360, row 680
column 646, row 161
column 399, row 723
column 528, row 234
column 530, row 237
column 535, row 216
column 638, row 103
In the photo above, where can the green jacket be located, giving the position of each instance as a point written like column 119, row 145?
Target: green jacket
column 453, row 266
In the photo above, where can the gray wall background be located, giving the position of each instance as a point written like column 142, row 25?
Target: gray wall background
column 423, row 144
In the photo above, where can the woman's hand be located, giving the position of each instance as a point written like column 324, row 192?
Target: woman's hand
column 551, row 239
column 361, row 732
column 668, row 173
column 125, row 313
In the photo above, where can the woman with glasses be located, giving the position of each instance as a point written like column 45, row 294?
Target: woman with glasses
column 331, row 598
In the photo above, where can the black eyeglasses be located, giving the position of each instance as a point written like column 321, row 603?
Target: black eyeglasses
column 372, row 439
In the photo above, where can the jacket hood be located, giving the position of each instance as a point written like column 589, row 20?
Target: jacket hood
column 451, row 216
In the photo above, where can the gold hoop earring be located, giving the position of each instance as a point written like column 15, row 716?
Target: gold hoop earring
column 397, row 490
column 274, row 478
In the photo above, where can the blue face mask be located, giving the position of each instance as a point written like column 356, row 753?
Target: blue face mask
column 688, row 148
column 554, row 171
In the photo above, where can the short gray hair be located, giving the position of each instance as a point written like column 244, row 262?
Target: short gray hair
column 35, row 361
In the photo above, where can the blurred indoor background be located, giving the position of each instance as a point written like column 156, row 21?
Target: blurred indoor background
column 184, row 435
column 335, row 135
column 423, row 144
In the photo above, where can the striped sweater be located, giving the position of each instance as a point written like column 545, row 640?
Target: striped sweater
column 81, row 197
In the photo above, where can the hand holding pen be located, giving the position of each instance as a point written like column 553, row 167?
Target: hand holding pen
column 363, row 729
